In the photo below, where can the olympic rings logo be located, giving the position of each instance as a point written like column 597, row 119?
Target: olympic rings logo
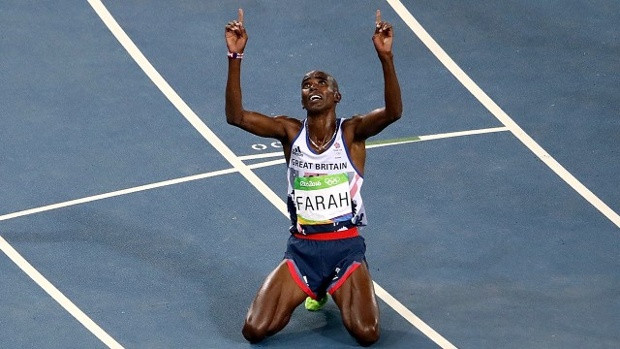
column 332, row 181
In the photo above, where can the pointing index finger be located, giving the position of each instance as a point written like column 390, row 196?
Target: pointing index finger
column 240, row 15
column 378, row 19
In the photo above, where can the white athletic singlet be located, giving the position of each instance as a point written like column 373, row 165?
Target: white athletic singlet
column 323, row 189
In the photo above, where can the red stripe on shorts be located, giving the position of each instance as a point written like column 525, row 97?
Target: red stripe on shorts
column 332, row 235
column 298, row 278
column 333, row 287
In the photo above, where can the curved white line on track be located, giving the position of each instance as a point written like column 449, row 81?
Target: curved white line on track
column 57, row 295
column 413, row 319
column 488, row 103
column 182, row 107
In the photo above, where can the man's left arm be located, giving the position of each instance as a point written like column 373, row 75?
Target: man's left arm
column 374, row 122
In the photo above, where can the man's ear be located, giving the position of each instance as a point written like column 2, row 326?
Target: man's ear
column 337, row 96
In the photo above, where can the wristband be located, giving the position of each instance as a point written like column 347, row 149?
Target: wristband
column 235, row 55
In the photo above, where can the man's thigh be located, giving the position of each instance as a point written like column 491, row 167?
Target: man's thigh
column 356, row 297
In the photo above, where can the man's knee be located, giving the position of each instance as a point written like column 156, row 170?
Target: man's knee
column 255, row 329
column 366, row 335
column 253, row 333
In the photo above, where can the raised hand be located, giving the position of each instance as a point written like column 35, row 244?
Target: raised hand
column 236, row 37
column 383, row 35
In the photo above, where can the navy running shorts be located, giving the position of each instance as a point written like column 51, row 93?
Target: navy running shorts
column 322, row 266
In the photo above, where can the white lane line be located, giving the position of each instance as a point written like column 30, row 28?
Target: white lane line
column 57, row 295
column 200, row 176
column 146, row 66
column 182, row 107
column 463, row 133
column 261, row 155
column 439, row 136
column 413, row 319
column 398, row 141
column 115, row 193
column 477, row 92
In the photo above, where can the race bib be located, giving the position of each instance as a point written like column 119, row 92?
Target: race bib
column 322, row 199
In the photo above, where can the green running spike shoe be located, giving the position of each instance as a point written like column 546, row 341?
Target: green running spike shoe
column 314, row 305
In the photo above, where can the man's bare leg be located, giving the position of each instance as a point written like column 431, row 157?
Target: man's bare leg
column 273, row 305
column 358, row 306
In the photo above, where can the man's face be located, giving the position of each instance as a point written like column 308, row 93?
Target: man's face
column 319, row 90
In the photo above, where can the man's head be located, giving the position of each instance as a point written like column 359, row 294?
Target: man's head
column 319, row 90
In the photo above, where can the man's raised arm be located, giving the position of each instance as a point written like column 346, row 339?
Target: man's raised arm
column 253, row 122
column 236, row 39
column 375, row 121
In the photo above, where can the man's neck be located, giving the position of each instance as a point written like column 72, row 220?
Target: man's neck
column 321, row 130
column 321, row 124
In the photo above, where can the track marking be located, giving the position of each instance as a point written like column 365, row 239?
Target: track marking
column 488, row 103
column 397, row 141
column 156, row 185
column 413, row 319
column 57, row 295
column 114, row 193
column 181, row 106
column 132, row 190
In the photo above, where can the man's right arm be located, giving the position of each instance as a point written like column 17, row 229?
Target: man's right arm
column 253, row 122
